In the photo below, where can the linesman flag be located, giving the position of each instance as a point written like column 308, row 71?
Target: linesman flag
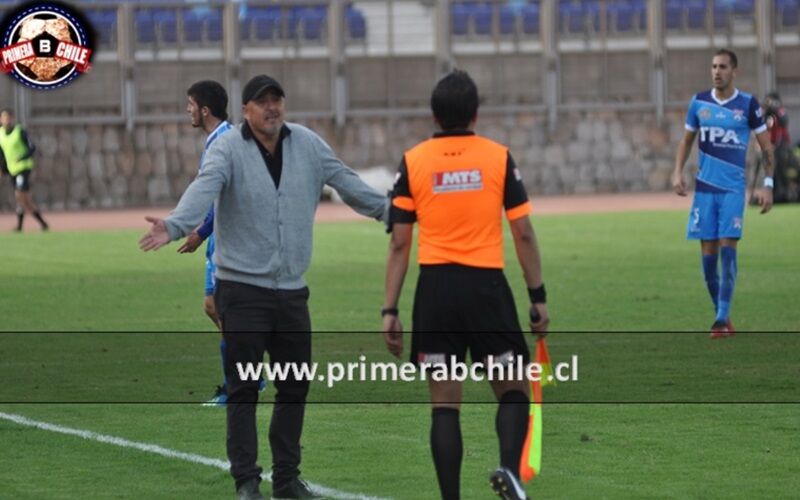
column 531, row 461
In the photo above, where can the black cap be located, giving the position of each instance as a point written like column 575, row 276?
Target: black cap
column 257, row 85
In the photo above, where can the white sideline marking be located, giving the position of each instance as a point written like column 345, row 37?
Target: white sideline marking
column 164, row 452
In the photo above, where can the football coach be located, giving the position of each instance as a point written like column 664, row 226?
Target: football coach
column 265, row 180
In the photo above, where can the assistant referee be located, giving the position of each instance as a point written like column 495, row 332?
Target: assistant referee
column 457, row 185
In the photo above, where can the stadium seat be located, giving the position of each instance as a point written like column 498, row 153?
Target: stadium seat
column 104, row 22
column 145, row 26
column 508, row 20
column 640, row 13
column 356, row 24
column 696, row 13
column 674, row 14
column 214, row 26
column 530, row 19
column 482, row 16
column 789, row 12
column 193, row 26
column 166, row 25
column 313, row 23
column 460, row 14
column 266, row 23
column 722, row 17
column 621, row 16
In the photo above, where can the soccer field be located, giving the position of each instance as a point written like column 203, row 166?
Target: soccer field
column 100, row 337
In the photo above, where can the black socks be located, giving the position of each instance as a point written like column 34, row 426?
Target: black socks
column 511, row 424
column 447, row 449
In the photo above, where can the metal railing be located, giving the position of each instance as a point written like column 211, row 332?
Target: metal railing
column 345, row 59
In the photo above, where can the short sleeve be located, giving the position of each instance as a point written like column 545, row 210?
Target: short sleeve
column 692, row 122
column 515, row 197
column 755, row 117
column 403, row 209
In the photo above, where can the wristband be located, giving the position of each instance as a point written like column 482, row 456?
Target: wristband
column 389, row 310
column 538, row 295
column 768, row 182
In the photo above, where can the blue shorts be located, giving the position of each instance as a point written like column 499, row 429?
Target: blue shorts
column 716, row 215
column 211, row 282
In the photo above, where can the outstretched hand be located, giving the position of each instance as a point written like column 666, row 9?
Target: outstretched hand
column 157, row 237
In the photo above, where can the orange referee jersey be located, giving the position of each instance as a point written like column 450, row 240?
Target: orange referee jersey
column 456, row 185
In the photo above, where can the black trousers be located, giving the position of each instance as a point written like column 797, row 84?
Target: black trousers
column 255, row 320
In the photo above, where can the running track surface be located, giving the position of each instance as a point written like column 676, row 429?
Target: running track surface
column 331, row 212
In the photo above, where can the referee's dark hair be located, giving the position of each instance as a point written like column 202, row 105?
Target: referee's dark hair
column 210, row 94
column 731, row 55
column 454, row 101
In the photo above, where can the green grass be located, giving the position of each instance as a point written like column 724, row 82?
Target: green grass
column 626, row 296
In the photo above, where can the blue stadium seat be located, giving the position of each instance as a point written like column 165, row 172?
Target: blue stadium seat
column 460, row 14
column 530, row 19
column 356, row 23
column 482, row 15
column 145, row 26
column 674, row 14
column 313, row 22
column 621, row 16
column 214, row 26
column 104, row 22
column 508, row 20
column 193, row 26
column 266, row 22
column 744, row 8
column 166, row 25
column 293, row 18
column 722, row 13
column 788, row 12
column 577, row 16
column 640, row 13
column 696, row 13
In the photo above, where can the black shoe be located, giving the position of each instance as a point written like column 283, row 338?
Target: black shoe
column 296, row 488
column 506, row 485
column 249, row 490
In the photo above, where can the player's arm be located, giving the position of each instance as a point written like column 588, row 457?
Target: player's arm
column 518, row 208
column 354, row 192
column 684, row 148
column 396, row 268
column 402, row 215
column 764, row 194
column 29, row 144
column 199, row 235
column 530, row 259
column 3, row 165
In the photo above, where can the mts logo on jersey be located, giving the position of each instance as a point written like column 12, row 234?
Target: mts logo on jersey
column 719, row 134
column 459, row 180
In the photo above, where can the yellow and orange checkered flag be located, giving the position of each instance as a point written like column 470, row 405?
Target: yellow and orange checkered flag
column 531, row 461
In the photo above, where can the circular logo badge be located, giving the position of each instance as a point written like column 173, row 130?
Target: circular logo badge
column 46, row 45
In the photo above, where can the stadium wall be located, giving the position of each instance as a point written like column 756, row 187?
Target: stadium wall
column 104, row 166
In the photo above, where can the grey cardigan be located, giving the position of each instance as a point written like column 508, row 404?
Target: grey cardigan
column 264, row 235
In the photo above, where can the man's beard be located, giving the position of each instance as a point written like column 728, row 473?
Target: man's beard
column 200, row 123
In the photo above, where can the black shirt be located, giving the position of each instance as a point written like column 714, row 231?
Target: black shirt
column 274, row 162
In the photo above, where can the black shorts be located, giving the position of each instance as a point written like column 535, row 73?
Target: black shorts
column 458, row 308
column 22, row 181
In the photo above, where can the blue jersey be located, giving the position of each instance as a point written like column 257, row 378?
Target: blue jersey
column 724, row 133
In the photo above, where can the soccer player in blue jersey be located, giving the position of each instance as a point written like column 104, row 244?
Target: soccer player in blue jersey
column 207, row 104
column 723, row 117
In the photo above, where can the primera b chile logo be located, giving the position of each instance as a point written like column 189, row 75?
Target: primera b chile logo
column 46, row 45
